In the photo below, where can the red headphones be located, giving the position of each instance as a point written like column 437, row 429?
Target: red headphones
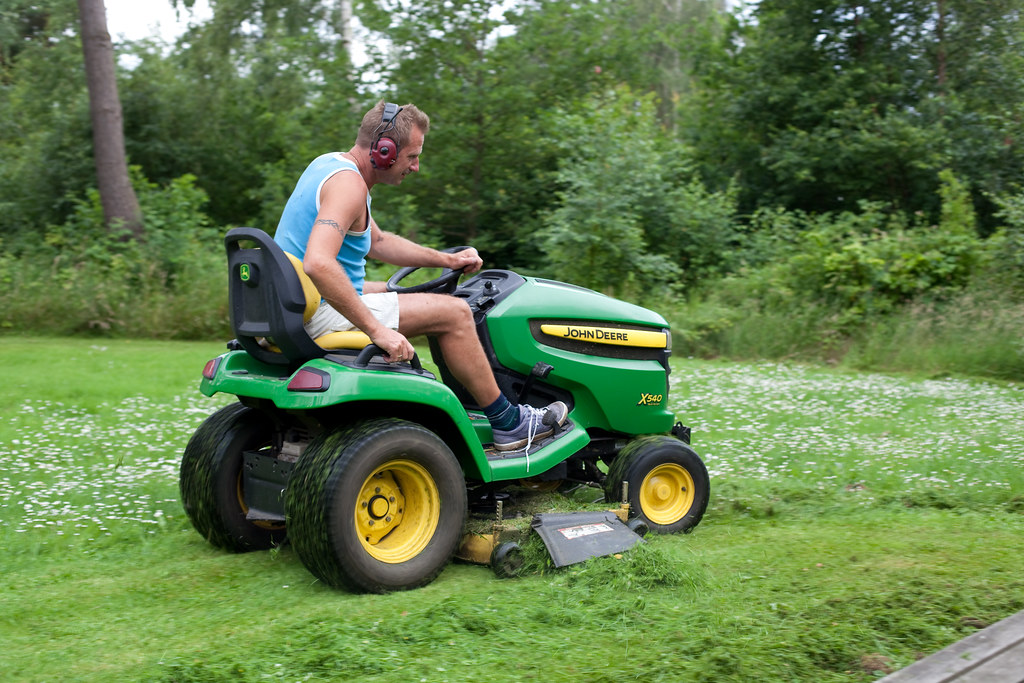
column 384, row 150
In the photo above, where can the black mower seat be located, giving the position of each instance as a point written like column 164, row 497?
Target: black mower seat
column 271, row 298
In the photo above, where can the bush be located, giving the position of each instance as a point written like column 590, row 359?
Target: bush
column 891, row 290
column 1005, row 248
column 85, row 278
column 631, row 218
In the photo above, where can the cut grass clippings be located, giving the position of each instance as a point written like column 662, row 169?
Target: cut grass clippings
column 857, row 522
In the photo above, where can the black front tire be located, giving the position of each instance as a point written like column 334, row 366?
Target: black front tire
column 668, row 484
column 377, row 506
column 211, row 480
column 638, row 526
column 507, row 560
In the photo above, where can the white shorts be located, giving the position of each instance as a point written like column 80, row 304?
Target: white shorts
column 383, row 305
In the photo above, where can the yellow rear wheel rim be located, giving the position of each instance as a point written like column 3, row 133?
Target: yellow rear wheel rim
column 666, row 494
column 397, row 511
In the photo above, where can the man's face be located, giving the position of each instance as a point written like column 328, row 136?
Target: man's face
column 408, row 158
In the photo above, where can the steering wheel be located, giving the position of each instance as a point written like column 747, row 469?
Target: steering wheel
column 444, row 283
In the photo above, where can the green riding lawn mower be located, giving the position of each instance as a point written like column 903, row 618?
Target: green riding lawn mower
column 368, row 469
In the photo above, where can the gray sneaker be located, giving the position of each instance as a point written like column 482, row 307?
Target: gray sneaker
column 534, row 424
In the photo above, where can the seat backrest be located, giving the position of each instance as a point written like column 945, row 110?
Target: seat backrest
column 267, row 300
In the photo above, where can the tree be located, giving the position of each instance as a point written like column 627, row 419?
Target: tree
column 630, row 217
column 45, row 141
column 243, row 101
column 492, row 75
column 821, row 104
column 18, row 26
column 120, row 205
column 448, row 58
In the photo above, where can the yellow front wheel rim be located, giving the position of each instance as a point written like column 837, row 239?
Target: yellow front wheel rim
column 666, row 494
column 397, row 511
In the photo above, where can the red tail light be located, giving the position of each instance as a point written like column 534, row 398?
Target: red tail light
column 211, row 368
column 310, row 379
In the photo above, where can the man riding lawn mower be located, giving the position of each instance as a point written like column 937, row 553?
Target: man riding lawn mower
column 342, row 443
column 364, row 465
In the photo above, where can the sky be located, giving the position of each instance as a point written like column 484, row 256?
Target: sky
column 137, row 19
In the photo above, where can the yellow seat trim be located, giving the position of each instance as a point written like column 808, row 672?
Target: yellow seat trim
column 350, row 339
column 309, row 290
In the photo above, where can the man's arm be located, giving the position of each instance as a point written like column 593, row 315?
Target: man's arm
column 398, row 251
column 342, row 204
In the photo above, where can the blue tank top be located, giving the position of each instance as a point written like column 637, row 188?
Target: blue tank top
column 300, row 212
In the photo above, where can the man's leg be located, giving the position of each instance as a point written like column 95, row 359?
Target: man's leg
column 449, row 319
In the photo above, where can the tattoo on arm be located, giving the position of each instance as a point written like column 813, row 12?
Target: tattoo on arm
column 330, row 224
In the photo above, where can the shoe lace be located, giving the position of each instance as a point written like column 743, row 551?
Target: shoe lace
column 535, row 418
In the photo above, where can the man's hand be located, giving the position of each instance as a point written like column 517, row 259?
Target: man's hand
column 467, row 258
column 396, row 347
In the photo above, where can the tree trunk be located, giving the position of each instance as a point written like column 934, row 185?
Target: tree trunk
column 346, row 28
column 940, row 56
column 120, row 205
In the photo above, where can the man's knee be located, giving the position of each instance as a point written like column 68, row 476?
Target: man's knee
column 460, row 310
column 436, row 313
column 455, row 314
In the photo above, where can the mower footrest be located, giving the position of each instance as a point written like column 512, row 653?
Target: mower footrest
column 495, row 454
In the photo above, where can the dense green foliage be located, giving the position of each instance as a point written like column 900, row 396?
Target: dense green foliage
column 837, row 172
column 79, row 277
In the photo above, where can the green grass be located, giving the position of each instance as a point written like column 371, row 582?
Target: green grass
column 857, row 522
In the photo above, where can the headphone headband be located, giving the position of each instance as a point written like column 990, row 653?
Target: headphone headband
column 390, row 112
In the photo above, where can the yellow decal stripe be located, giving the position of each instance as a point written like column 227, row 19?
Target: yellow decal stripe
column 608, row 335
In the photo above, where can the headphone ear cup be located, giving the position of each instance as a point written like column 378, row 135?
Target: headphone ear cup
column 384, row 153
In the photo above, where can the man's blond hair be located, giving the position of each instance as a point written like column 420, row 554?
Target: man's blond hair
column 409, row 118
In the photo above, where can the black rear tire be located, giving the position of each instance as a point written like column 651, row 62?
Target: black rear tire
column 668, row 483
column 211, row 481
column 377, row 506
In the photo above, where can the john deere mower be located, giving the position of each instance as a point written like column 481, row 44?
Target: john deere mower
column 368, row 468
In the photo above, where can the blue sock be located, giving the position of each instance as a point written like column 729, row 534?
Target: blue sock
column 502, row 414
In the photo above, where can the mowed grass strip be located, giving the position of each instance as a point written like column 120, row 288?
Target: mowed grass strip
column 857, row 523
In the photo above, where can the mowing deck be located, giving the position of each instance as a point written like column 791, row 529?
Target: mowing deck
column 992, row 655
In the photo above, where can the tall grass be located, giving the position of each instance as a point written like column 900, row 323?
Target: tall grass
column 858, row 521
column 82, row 278
column 873, row 289
column 977, row 333
column 137, row 302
